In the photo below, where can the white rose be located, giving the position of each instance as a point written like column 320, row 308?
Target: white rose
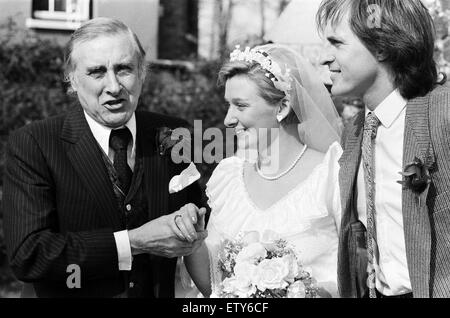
column 271, row 274
column 268, row 239
column 238, row 287
column 294, row 269
column 297, row 290
column 245, row 271
column 229, row 285
column 251, row 253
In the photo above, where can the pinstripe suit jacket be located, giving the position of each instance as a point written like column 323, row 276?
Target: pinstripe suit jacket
column 60, row 207
column 426, row 221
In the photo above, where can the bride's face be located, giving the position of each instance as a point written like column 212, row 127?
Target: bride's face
column 247, row 109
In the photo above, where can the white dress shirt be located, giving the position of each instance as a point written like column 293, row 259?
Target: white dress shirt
column 392, row 274
column 101, row 134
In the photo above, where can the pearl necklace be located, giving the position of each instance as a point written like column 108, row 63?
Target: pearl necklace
column 258, row 169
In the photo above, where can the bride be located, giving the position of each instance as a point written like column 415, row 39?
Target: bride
column 291, row 187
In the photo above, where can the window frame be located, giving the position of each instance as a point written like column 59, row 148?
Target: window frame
column 71, row 19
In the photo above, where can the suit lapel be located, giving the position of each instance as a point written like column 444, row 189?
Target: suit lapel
column 85, row 156
column 349, row 163
column 156, row 172
column 417, row 143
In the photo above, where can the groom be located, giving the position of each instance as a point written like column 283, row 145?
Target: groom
column 394, row 239
column 86, row 194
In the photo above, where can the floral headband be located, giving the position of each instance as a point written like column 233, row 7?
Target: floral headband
column 282, row 81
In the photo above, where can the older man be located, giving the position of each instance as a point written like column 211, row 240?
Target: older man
column 86, row 193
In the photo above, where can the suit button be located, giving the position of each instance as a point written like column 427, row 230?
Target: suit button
column 128, row 207
column 131, row 285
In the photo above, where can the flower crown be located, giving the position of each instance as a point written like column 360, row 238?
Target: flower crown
column 282, row 81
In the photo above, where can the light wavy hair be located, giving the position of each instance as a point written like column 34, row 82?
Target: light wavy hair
column 98, row 27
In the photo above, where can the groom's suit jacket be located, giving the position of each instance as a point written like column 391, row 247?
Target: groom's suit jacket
column 426, row 219
column 60, row 208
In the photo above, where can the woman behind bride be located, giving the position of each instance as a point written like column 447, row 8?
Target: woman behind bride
column 291, row 187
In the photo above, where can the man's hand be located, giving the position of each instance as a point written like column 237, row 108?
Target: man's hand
column 161, row 236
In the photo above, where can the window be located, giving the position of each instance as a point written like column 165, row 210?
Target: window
column 59, row 14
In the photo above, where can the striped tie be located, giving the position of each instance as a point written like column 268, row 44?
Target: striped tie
column 368, row 153
column 118, row 141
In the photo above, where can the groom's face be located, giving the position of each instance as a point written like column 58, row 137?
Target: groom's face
column 354, row 69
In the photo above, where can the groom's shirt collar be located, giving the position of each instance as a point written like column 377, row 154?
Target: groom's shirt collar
column 390, row 108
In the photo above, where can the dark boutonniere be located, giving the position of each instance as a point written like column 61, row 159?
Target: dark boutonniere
column 166, row 141
column 416, row 176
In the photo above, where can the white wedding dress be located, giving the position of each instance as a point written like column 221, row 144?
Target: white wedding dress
column 307, row 217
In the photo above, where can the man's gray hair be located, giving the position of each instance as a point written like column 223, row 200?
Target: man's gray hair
column 102, row 27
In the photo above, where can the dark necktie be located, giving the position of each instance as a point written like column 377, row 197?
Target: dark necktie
column 118, row 141
column 368, row 153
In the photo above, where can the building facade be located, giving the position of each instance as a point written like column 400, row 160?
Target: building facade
column 166, row 28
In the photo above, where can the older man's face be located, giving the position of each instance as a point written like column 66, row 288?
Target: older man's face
column 106, row 78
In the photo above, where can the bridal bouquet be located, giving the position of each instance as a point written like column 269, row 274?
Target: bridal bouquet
column 266, row 267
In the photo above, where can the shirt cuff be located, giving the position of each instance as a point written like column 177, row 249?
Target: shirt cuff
column 123, row 250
